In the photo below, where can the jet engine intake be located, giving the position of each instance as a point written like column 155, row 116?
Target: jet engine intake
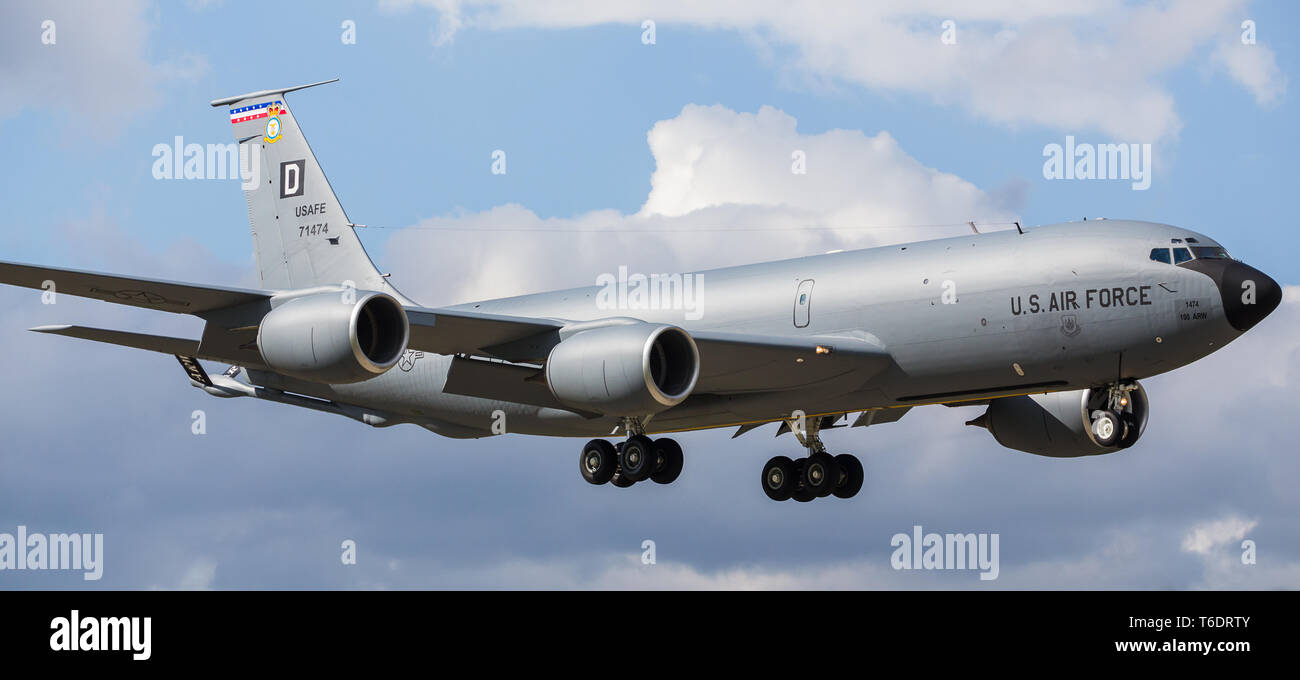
column 334, row 337
column 626, row 370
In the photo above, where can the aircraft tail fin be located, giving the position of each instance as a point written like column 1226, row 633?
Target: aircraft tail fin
column 301, row 235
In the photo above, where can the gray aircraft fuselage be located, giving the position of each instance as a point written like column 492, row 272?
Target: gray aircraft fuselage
column 964, row 319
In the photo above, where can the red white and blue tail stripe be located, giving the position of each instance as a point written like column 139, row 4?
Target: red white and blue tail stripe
column 254, row 111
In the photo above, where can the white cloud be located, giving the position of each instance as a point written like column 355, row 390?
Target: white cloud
column 723, row 192
column 199, row 576
column 712, row 156
column 1070, row 66
column 1254, row 67
column 1218, row 545
column 97, row 71
column 1204, row 537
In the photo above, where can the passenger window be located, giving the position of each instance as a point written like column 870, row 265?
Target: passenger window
column 1181, row 255
column 1160, row 255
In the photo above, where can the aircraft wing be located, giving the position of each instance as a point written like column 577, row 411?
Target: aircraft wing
column 732, row 363
column 729, row 362
column 514, row 338
column 168, row 296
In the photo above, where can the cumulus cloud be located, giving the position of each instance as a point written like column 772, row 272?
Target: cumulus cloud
column 1254, row 67
column 724, row 191
column 1061, row 65
column 1207, row 536
column 199, row 576
column 97, row 71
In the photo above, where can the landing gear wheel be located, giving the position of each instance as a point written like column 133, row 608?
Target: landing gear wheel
column 637, row 459
column 1107, row 428
column 803, row 494
column 599, row 461
column 820, row 474
column 621, row 482
column 801, row 491
column 779, row 478
column 851, row 476
column 668, row 461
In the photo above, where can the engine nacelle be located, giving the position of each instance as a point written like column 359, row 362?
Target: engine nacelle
column 1058, row 424
column 627, row 370
column 325, row 338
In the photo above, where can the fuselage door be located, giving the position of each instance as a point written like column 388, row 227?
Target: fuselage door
column 803, row 303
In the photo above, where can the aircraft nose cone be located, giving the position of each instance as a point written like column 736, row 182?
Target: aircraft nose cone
column 1248, row 294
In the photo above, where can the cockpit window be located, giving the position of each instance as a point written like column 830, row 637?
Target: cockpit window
column 1181, row 255
column 1160, row 255
column 1210, row 252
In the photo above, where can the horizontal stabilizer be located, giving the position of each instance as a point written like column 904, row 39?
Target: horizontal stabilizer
column 266, row 93
column 180, row 347
column 153, row 343
column 168, row 296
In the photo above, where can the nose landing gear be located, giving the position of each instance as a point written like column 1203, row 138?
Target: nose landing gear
column 1114, row 422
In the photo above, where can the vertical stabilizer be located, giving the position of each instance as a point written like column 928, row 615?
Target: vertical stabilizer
column 301, row 235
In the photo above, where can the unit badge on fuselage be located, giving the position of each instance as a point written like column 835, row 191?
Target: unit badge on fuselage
column 1070, row 325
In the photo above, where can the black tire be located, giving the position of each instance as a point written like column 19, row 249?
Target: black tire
column 669, row 461
column 598, row 462
column 851, row 476
column 1107, row 428
column 779, row 478
column 801, row 492
column 637, row 459
column 820, row 474
column 621, row 482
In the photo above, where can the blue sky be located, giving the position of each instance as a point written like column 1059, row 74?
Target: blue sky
column 572, row 107
column 406, row 138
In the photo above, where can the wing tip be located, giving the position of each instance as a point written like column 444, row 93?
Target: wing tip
column 54, row 328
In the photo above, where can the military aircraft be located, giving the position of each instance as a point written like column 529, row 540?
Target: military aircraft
column 1050, row 327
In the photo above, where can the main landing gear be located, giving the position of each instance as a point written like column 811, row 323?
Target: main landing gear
column 817, row 476
column 635, row 460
